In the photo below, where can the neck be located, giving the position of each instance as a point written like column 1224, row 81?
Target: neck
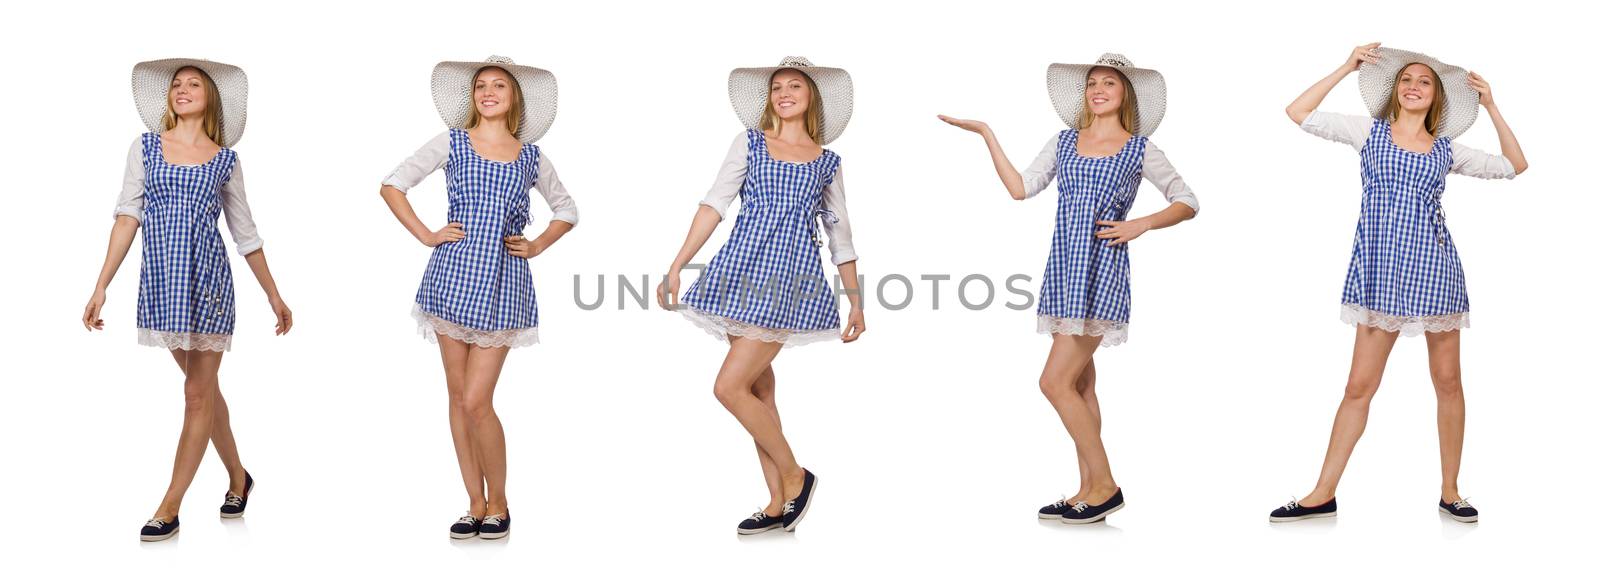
column 793, row 130
column 492, row 127
column 1106, row 125
column 189, row 129
column 1411, row 122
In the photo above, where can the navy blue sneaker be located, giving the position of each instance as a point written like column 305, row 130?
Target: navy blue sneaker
column 233, row 505
column 795, row 509
column 465, row 528
column 1459, row 511
column 495, row 526
column 1082, row 512
column 1294, row 511
column 1054, row 510
column 759, row 523
column 159, row 529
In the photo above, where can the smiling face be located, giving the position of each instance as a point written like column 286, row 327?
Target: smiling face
column 1107, row 94
column 496, row 96
column 1416, row 91
column 792, row 95
column 194, row 97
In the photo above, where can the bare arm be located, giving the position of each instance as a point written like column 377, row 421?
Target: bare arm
column 857, row 322
column 258, row 266
column 1508, row 141
column 1121, row 232
column 1308, row 101
column 1002, row 165
column 122, row 233
column 400, row 205
column 705, row 222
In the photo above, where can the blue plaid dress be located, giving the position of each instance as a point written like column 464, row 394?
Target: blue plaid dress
column 767, row 281
column 1404, row 272
column 1085, row 289
column 474, row 290
column 185, row 284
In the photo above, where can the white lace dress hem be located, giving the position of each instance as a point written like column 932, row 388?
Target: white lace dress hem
column 1110, row 332
column 1407, row 325
column 431, row 327
column 185, row 340
column 721, row 327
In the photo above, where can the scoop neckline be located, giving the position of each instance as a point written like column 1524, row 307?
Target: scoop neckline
column 161, row 153
column 474, row 149
column 1388, row 132
column 768, row 151
column 1076, row 139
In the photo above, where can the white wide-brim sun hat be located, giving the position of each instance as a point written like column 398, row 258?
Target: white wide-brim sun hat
column 452, row 94
column 152, row 82
column 1460, row 100
column 1066, row 83
column 749, row 89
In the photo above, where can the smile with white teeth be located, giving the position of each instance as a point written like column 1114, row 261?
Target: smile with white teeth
column 785, row 104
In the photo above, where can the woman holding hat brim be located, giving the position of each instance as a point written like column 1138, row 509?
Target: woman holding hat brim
column 1405, row 276
column 766, row 289
column 1110, row 108
column 180, row 177
column 476, row 299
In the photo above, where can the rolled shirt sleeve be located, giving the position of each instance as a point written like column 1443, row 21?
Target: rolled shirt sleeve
column 1160, row 172
column 1477, row 163
column 555, row 195
column 730, row 177
column 130, row 202
column 1043, row 169
column 840, row 243
column 1342, row 128
column 428, row 159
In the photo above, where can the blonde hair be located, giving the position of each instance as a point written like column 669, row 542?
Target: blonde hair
column 513, row 116
column 211, row 118
column 1128, row 114
column 769, row 116
column 1430, row 122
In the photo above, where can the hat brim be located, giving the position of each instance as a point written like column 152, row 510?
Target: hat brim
column 748, row 90
column 452, row 95
column 1460, row 100
column 152, row 82
column 1066, row 84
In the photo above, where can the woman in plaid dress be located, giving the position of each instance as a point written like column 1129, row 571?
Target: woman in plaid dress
column 1097, row 163
column 181, row 176
column 476, row 299
column 1405, row 277
column 766, row 289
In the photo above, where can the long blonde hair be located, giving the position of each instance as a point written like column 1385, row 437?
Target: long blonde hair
column 513, row 115
column 1430, row 122
column 1128, row 114
column 769, row 116
column 211, row 118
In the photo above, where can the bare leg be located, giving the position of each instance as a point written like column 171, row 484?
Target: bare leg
column 1366, row 371
column 746, row 360
column 199, row 396
column 1086, row 389
column 765, row 389
column 1444, row 361
column 454, row 355
column 488, row 437
column 221, row 432
column 1069, row 357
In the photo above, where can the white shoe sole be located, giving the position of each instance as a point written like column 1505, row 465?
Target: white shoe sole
column 1095, row 519
column 500, row 535
column 743, row 531
column 1049, row 516
column 454, row 535
column 1302, row 517
column 1458, row 518
column 807, row 509
column 158, row 537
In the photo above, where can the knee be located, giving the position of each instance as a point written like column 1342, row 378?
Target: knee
column 728, row 392
column 198, row 395
column 478, row 406
column 1055, row 389
column 1447, row 381
column 457, row 387
column 1360, row 389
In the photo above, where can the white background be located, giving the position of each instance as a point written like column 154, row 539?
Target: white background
column 931, row 438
